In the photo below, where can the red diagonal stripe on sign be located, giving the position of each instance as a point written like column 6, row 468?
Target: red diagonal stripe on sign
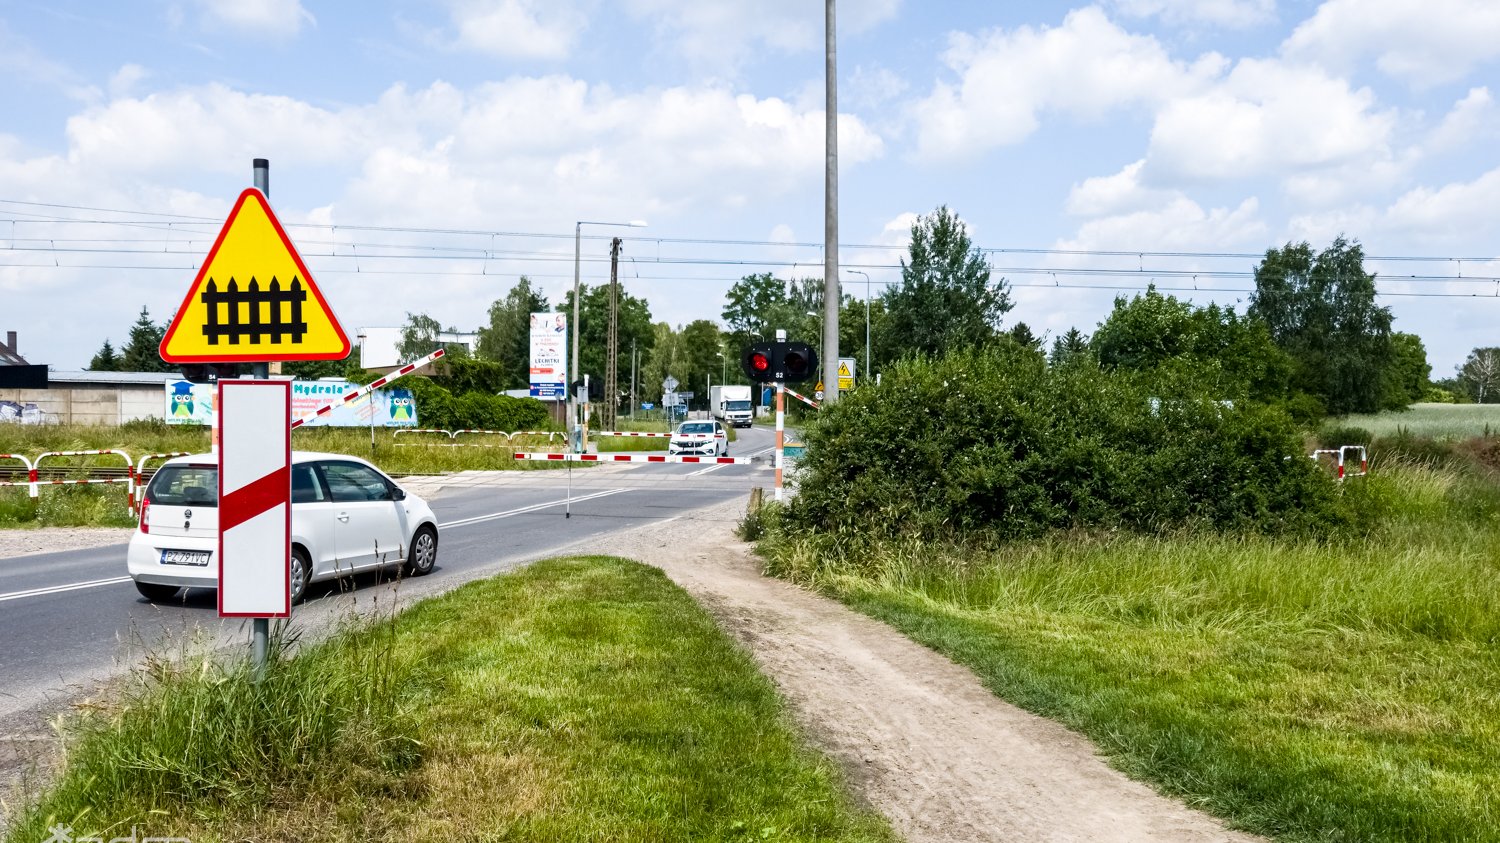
column 246, row 502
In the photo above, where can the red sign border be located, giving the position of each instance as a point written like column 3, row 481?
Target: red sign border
column 286, row 612
column 252, row 357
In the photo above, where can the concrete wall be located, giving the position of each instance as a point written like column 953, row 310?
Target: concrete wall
column 93, row 405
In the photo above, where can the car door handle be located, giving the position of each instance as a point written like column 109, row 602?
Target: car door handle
column 344, row 517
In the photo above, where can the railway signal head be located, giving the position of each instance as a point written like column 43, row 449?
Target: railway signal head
column 788, row 362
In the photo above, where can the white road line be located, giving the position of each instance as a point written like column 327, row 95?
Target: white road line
column 751, row 455
column 464, row 522
column 57, row 589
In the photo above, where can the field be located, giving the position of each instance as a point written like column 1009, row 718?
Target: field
column 1307, row 689
column 579, row 699
column 1436, row 421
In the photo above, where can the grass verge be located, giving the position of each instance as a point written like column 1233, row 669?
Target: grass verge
column 1437, row 421
column 1307, row 690
column 578, row 699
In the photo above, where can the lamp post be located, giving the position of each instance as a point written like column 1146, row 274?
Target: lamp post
column 577, row 253
column 867, row 317
column 723, row 369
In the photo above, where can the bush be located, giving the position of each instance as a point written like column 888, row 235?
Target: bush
column 993, row 444
column 1336, row 436
column 479, row 411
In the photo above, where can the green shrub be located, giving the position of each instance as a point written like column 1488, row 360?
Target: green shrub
column 1339, row 435
column 993, row 444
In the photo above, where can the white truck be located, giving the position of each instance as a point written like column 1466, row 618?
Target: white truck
column 731, row 405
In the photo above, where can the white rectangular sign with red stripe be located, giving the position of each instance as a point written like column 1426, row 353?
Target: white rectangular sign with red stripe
column 255, row 499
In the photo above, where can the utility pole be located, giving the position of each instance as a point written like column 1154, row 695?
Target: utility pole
column 260, row 628
column 612, row 355
column 634, row 359
column 831, row 215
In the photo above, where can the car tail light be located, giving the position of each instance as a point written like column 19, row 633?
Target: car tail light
column 145, row 515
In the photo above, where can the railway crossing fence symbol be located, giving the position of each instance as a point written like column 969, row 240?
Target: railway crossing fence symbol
column 253, row 300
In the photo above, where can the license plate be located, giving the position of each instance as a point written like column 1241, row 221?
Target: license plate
column 184, row 557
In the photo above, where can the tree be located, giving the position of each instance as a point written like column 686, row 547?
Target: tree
column 635, row 326
column 1480, row 375
column 1235, row 356
column 945, row 300
column 106, row 360
column 1407, row 378
column 419, row 336
column 507, row 337
column 1023, row 336
column 1069, row 346
column 1321, row 310
column 143, row 352
column 752, row 305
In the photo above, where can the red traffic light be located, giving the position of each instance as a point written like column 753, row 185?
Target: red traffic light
column 759, row 361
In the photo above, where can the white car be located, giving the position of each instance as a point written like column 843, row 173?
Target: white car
column 699, row 438
column 347, row 517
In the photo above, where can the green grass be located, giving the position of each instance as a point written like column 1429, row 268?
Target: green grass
column 578, row 699
column 1304, row 689
column 1437, row 421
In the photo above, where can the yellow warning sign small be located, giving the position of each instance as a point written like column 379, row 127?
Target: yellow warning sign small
column 846, row 373
column 254, row 299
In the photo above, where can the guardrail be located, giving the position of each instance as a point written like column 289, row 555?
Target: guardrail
column 454, row 434
column 1340, row 455
column 29, row 482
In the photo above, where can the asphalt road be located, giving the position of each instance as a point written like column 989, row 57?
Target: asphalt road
column 68, row 619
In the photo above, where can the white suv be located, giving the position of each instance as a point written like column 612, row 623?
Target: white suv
column 347, row 517
column 699, row 438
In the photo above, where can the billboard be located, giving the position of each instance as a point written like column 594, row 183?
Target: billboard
column 195, row 403
column 549, row 367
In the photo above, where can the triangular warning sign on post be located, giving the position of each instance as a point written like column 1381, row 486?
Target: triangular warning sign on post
column 844, row 370
column 253, row 300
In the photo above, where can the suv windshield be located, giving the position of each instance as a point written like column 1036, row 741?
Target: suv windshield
column 697, row 427
column 185, row 485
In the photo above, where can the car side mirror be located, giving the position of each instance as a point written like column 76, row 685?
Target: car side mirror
column 398, row 493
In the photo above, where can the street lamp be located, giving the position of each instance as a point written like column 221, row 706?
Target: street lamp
column 867, row 317
column 577, row 251
column 723, row 369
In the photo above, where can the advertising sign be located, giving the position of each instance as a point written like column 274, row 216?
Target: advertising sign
column 196, row 403
column 549, row 367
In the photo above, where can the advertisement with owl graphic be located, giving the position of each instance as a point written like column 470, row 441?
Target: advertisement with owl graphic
column 193, row 403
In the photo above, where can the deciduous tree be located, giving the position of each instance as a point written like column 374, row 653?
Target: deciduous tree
column 945, row 300
column 507, row 338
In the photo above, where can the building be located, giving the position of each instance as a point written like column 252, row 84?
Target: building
column 107, row 398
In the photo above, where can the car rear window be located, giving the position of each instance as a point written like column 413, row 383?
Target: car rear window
column 185, row 485
column 701, row 427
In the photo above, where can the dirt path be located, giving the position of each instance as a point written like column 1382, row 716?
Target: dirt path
column 920, row 738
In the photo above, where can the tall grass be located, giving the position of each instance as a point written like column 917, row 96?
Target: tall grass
column 191, row 738
column 1336, row 687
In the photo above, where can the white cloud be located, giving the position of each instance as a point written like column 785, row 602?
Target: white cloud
column 1473, row 118
column 1179, row 224
column 1085, row 68
column 1442, row 214
column 123, row 82
column 720, row 36
column 1232, row 14
column 518, row 29
column 1423, row 44
column 1121, row 192
column 1272, row 119
column 279, row 18
column 871, row 87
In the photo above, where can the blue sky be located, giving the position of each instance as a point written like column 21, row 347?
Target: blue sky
column 427, row 154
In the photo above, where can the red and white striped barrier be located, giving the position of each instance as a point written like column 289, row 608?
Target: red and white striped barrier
column 1340, row 453
column 29, row 482
column 655, row 435
column 369, row 387
column 399, row 431
column 128, row 479
column 803, row 398
column 632, row 458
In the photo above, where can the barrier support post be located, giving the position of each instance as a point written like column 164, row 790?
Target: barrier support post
column 780, row 430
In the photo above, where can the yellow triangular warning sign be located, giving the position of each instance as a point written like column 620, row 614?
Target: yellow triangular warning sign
column 844, row 370
column 254, row 299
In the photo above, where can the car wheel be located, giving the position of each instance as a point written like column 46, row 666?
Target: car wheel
column 155, row 592
column 301, row 569
column 423, row 552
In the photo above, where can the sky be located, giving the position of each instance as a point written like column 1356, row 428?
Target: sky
column 425, row 155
